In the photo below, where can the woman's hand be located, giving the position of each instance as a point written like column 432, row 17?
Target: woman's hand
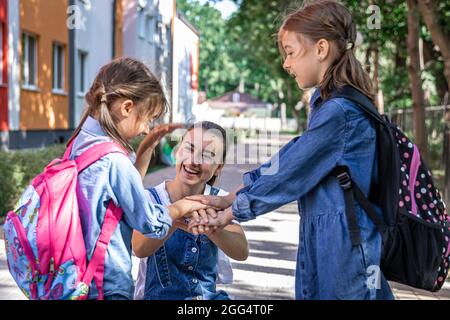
column 223, row 219
column 180, row 225
column 187, row 208
column 151, row 140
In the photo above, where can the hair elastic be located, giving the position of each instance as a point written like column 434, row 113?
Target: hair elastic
column 349, row 45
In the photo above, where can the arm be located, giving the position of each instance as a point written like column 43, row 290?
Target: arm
column 223, row 202
column 148, row 145
column 151, row 220
column 232, row 241
column 145, row 247
column 219, row 202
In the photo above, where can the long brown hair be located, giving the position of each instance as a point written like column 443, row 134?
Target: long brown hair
column 331, row 21
column 123, row 78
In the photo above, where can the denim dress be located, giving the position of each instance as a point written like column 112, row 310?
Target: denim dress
column 328, row 266
column 185, row 267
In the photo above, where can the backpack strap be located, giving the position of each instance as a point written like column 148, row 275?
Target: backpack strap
column 352, row 191
column 363, row 101
column 97, row 152
column 386, row 190
column 96, row 266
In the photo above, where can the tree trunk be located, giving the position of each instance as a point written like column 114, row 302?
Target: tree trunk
column 416, row 83
column 440, row 38
column 376, row 81
column 446, row 157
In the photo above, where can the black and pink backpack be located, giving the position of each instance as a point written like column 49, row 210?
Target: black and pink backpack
column 415, row 226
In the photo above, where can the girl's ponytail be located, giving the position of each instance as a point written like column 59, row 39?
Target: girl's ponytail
column 108, row 123
column 347, row 70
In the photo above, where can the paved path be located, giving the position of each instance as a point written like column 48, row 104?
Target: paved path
column 269, row 271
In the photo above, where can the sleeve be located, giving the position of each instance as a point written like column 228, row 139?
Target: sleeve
column 152, row 220
column 297, row 168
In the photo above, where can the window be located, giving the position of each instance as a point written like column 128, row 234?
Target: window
column 82, row 58
column 29, row 60
column 58, row 67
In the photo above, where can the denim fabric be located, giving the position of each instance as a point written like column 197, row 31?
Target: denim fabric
column 114, row 177
column 328, row 266
column 116, row 297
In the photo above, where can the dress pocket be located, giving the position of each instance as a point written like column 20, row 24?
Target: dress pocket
column 162, row 267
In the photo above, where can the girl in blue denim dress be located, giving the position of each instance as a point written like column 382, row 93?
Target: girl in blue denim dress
column 318, row 44
column 124, row 97
column 183, row 265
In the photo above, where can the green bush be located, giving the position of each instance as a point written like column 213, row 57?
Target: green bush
column 18, row 168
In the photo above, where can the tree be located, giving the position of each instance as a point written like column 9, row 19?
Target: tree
column 438, row 33
column 218, row 72
column 441, row 37
column 416, row 82
column 253, row 28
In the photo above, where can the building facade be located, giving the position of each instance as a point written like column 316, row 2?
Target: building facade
column 91, row 50
column 51, row 51
column 185, row 69
column 147, row 36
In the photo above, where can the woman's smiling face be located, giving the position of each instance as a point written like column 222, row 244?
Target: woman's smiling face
column 199, row 157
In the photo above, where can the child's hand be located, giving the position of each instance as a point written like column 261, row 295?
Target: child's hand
column 214, row 201
column 152, row 139
column 186, row 208
column 201, row 216
column 181, row 225
column 145, row 149
column 184, row 225
column 222, row 220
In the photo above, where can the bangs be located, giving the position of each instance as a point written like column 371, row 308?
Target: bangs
column 155, row 107
column 280, row 35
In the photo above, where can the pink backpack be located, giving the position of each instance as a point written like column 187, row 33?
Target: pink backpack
column 45, row 248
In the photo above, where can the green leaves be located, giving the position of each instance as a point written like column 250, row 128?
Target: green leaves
column 245, row 47
column 18, row 168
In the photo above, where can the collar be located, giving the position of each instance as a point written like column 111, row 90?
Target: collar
column 93, row 127
column 315, row 100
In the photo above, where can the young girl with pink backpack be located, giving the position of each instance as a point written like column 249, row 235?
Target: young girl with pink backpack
column 70, row 235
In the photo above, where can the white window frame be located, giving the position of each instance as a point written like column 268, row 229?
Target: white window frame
column 82, row 60
column 58, row 65
column 26, row 79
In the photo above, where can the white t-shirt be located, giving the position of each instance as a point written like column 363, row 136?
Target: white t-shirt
column 224, row 269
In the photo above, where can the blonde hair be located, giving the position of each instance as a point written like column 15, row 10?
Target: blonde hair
column 331, row 21
column 125, row 78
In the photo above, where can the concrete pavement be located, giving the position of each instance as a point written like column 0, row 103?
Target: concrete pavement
column 269, row 271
